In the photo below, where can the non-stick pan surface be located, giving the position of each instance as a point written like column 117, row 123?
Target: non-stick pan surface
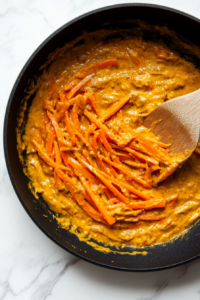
column 159, row 257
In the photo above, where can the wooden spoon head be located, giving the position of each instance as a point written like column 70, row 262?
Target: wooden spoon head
column 166, row 124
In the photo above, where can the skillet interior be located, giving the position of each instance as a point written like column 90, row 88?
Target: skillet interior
column 159, row 256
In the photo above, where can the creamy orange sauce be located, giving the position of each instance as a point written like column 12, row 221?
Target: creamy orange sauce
column 152, row 73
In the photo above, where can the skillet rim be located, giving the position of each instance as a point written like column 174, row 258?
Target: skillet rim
column 11, row 97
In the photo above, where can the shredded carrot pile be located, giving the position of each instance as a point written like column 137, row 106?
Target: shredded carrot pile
column 111, row 178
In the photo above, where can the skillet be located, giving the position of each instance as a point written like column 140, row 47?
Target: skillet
column 159, row 257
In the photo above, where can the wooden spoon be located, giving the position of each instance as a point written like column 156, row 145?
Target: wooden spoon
column 177, row 122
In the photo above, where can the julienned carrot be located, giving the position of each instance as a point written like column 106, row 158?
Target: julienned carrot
column 97, row 202
column 42, row 153
column 104, row 180
column 88, row 158
column 162, row 145
column 100, row 164
column 81, row 201
column 94, row 143
column 130, row 188
column 152, row 148
column 83, row 171
column 134, row 164
column 127, row 172
column 69, row 86
column 65, row 157
column 148, row 175
column 116, row 107
column 52, row 156
column 48, row 105
column 92, row 101
column 49, row 140
column 146, row 217
column 63, row 97
column 83, row 140
column 142, row 157
column 149, row 204
column 110, row 62
column 58, row 181
column 58, row 131
column 166, row 173
column 105, row 142
column 69, row 129
column 74, row 116
column 100, row 125
column 115, row 159
column 75, row 90
column 134, row 56
column 141, row 194
column 57, row 153
column 123, row 156
column 172, row 200
column 66, row 105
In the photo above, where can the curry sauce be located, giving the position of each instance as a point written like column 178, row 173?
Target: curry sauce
column 105, row 176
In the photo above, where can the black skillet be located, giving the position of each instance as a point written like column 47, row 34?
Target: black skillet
column 159, row 257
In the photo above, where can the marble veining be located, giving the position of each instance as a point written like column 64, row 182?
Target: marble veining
column 31, row 265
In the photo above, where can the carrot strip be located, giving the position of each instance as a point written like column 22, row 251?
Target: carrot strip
column 143, row 195
column 69, row 86
column 83, row 140
column 83, row 171
column 88, row 158
column 166, row 173
column 100, row 164
column 42, row 153
column 74, row 116
column 150, row 218
column 105, row 142
column 75, row 90
column 130, row 188
column 148, row 174
column 127, row 172
column 63, row 97
column 69, row 129
column 104, row 180
column 49, row 140
column 52, row 155
column 57, row 153
column 150, row 204
column 111, row 62
column 100, row 125
column 142, row 157
column 65, row 157
column 172, row 200
column 134, row 164
column 94, row 143
column 161, row 154
column 58, row 131
column 80, row 200
column 92, row 101
column 66, row 105
column 123, row 156
column 58, row 181
column 116, row 107
column 97, row 202
column 165, row 146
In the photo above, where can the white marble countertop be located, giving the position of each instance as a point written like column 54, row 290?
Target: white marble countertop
column 31, row 265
